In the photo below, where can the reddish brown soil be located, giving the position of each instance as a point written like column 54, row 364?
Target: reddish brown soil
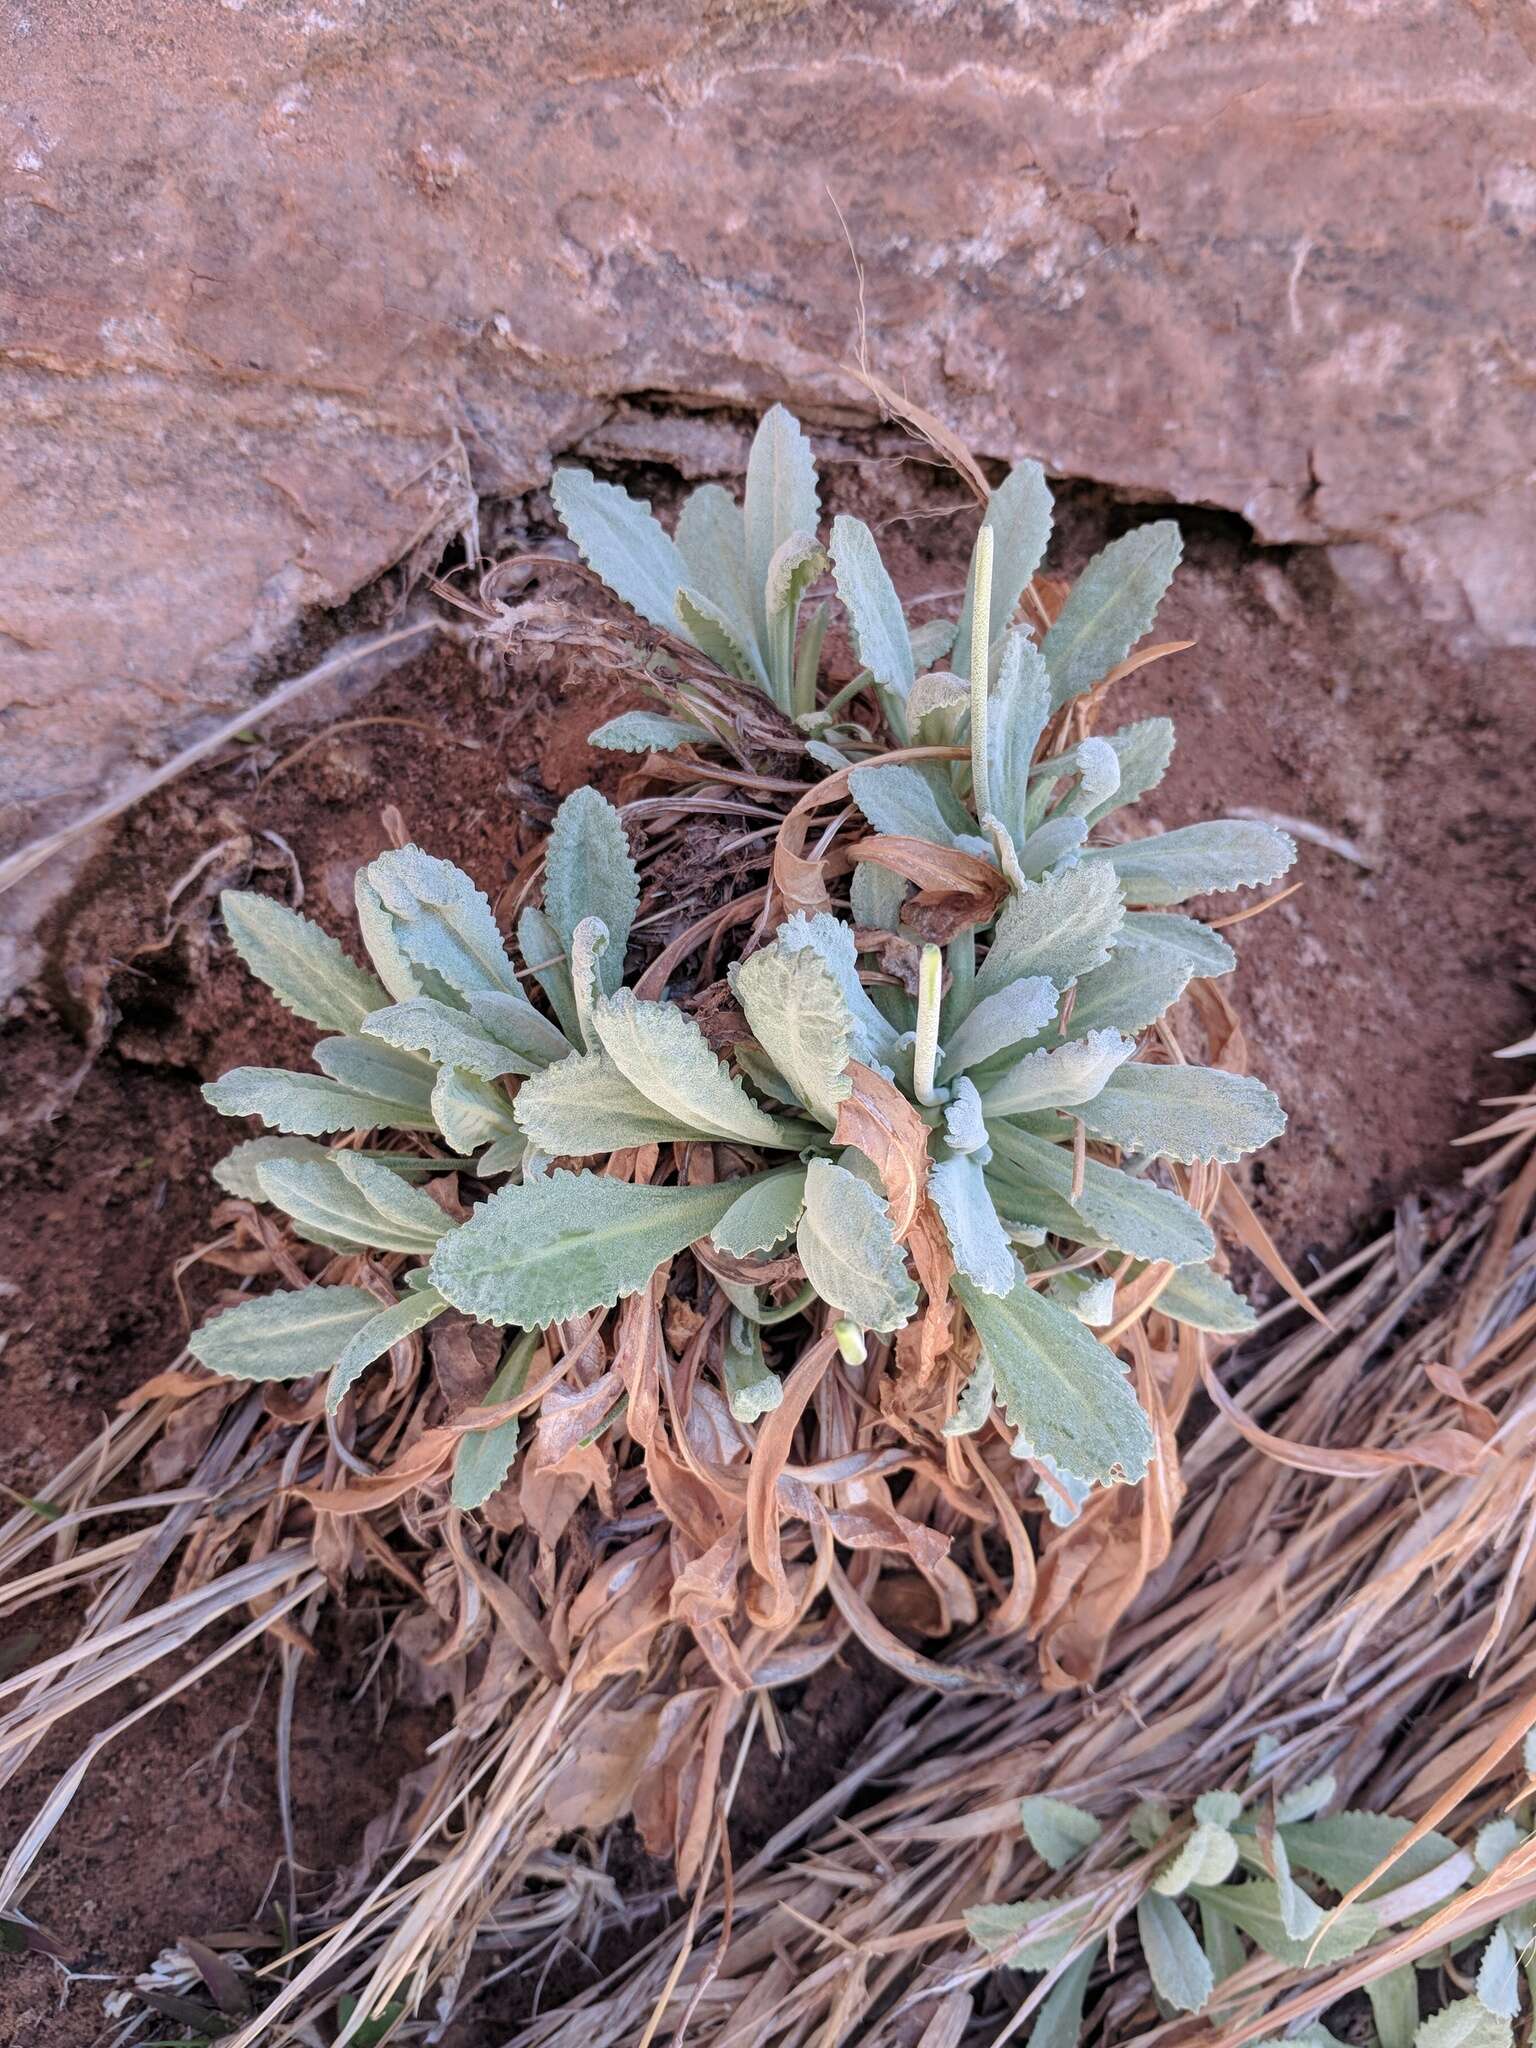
column 1371, row 1000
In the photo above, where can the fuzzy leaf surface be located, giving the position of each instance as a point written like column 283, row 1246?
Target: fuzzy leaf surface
column 1133, row 988
column 898, row 799
column 767, row 1211
column 1115, row 1208
column 1058, row 1832
column 1058, row 1076
column 484, row 1458
column 832, row 941
column 1019, row 512
column 236, row 1172
column 712, row 540
column 1111, row 605
column 714, row 633
column 1344, row 1848
column 1016, row 717
column 347, row 1199
column 646, row 732
column 998, row 1928
column 1197, row 860
column 781, row 499
column 558, row 1246
column 387, row 1328
column 752, row 1387
column 588, row 872
column 874, row 610
column 470, row 1112
column 1184, row 1113
column 1143, row 751
column 1020, row 1011
column 1201, row 1297
column 1063, row 1391
column 1181, row 1970
column 622, row 541
column 585, row 1105
column 1464, row 2023
column 283, row 1336
column 448, row 1037
column 976, row 1236
column 798, row 1014
column 309, row 1104
column 666, row 1058
column 441, row 921
column 1060, row 927
column 302, row 965
column 1254, row 1908
column 513, row 1022
column 849, row 1250
column 1206, row 951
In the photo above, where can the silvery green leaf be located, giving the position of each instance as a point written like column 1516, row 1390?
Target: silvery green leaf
column 1394, row 2001
column 999, row 1928
column 502, row 1155
column 874, row 610
column 585, row 1105
column 1496, row 1839
column 797, row 561
column 849, row 1249
column 781, row 499
column 1150, row 1820
column 1344, row 1848
column 965, row 1128
column 1019, row 514
column 470, row 1112
column 310, row 1104
column 942, row 698
column 1184, row 1113
column 976, row 1237
column 904, row 801
column 588, row 872
column 767, row 1211
column 1303, row 1801
column 1133, row 988
column 875, row 897
column 448, row 1037
column 1098, row 769
column 373, row 1068
column 1052, row 848
column 1464, row 2023
column 1019, row 1011
column 1165, row 931
column 399, row 977
column 645, row 732
column 712, row 540
column 376, row 1337
column 623, row 543
column 1197, row 860
column 1066, row 1495
column 553, row 1248
column 832, row 941
column 1058, row 1076
column 303, row 966
column 441, row 921
column 1088, row 1296
column 714, row 634
column 665, row 1056
column 1016, row 717
column 513, row 1022
column 1142, row 753
column 1199, row 1296
column 1181, row 1970
column 1060, row 927
column 484, row 1457
column 931, row 641
column 543, row 952
column 1207, row 1856
column 589, row 942
column 975, row 1402
column 1498, row 1976
column 1111, row 605
column 826, row 756
column 283, row 1336
column 1062, row 1390
column 1033, row 1180
column 236, row 1171
column 751, row 1386
column 343, row 1199
column 1059, row 2020
column 1221, row 1808
column 1222, row 1943
column 1300, row 1914
column 1058, row 1832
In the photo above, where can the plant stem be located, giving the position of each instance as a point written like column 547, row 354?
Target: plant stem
column 925, row 1053
column 850, row 1341
column 981, row 648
